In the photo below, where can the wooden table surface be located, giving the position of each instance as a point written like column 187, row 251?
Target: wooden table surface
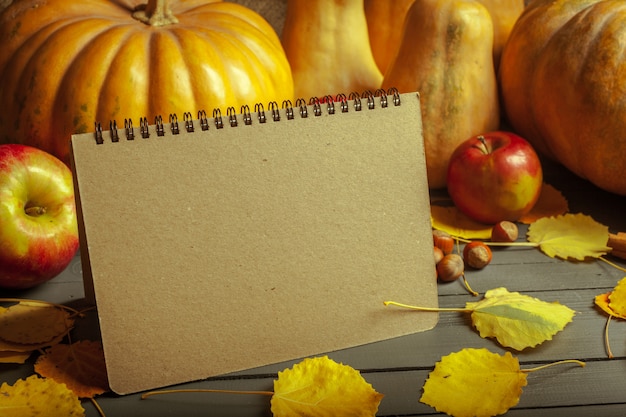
column 398, row 368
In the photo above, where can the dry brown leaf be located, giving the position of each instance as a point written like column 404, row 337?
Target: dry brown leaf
column 551, row 203
column 34, row 323
column 79, row 365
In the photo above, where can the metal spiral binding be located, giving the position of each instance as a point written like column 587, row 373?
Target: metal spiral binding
column 188, row 119
column 174, row 124
column 341, row 102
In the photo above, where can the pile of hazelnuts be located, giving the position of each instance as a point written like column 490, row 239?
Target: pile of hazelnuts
column 476, row 254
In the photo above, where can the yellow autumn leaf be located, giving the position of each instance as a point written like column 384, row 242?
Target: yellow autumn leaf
column 602, row 301
column 474, row 383
column 516, row 320
column 79, row 365
column 478, row 383
column 41, row 397
column 7, row 356
column 575, row 236
column 450, row 219
column 551, row 202
column 34, row 323
column 321, row 387
column 617, row 299
column 513, row 319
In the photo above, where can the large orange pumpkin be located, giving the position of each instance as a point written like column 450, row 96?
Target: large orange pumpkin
column 65, row 64
column 563, row 84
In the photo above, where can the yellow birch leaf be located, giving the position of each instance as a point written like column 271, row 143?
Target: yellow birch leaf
column 80, row 366
column 450, row 219
column 617, row 299
column 474, row 383
column 321, row 387
column 551, row 203
column 516, row 320
column 8, row 356
column 575, row 236
column 34, row 323
column 39, row 397
column 602, row 301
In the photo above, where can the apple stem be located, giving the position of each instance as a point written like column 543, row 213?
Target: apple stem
column 483, row 147
column 35, row 211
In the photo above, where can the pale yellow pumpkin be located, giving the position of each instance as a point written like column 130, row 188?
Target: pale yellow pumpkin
column 446, row 55
column 65, row 64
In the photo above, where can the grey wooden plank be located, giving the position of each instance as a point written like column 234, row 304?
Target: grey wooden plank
column 599, row 386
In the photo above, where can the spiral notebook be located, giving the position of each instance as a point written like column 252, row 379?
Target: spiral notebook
column 216, row 244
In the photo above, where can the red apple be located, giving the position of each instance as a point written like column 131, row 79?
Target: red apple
column 38, row 229
column 494, row 177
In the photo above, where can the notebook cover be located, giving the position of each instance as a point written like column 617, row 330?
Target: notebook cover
column 222, row 250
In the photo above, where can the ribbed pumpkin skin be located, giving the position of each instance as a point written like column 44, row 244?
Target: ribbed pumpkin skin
column 65, row 64
column 563, row 84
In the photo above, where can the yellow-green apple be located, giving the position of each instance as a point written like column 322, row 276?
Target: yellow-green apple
column 38, row 229
column 494, row 177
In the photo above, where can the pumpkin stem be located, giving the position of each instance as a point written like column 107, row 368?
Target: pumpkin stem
column 155, row 13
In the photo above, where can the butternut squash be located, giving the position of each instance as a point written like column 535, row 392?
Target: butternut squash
column 384, row 25
column 504, row 14
column 327, row 46
column 446, row 55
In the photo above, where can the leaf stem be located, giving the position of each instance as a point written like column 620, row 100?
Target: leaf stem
column 606, row 338
column 97, row 407
column 614, row 265
column 468, row 287
column 205, row 390
column 538, row 368
column 432, row 309
column 490, row 243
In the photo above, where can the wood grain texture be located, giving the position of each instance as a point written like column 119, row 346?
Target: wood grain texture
column 399, row 367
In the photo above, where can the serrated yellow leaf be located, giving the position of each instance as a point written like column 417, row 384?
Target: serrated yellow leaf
column 602, row 301
column 516, row 320
column 34, row 323
column 39, row 397
column 575, row 236
column 474, row 383
column 551, row 202
column 321, row 387
column 617, row 299
column 450, row 219
column 7, row 356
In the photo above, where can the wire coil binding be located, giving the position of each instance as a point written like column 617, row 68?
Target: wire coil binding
column 340, row 103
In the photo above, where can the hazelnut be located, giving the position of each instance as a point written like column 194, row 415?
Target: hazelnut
column 450, row 268
column 505, row 231
column 477, row 255
column 438, row 254
column 443, row 241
